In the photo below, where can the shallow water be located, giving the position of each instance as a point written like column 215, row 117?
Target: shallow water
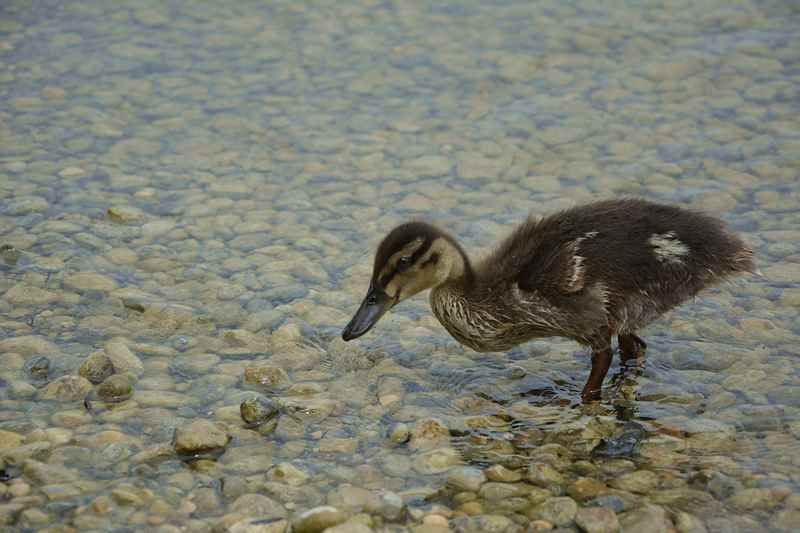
column 194, row 188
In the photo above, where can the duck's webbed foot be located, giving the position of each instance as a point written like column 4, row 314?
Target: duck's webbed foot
column 631, row 348
column 601, row 360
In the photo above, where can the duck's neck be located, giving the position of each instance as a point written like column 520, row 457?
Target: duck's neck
column 461, row 276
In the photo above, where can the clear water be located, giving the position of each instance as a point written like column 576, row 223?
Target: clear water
column 230, row 166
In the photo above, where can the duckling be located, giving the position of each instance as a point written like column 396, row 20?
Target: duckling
column 588, row 273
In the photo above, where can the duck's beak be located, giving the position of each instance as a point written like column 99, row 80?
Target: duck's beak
column 375, row 304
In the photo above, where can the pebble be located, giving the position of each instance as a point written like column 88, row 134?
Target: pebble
column 585, row 488
column 350, row 527
column 466, row 478
column 266, row 377
column 786, row 520
column 559, row 510
column 200, row 437
column 544, row 475
column 751, row 499
column 496, row 492
column 115, row 388
column 122, row 358
column 488, row 523
column 260, row 410
column 45, row 474
column 596, row 520
column 90, row 281
column 287, row 473
column 258, row 505
column 10, row 439
column 97, row 367
column 640, row 481
column 436, row 461
column 354, row 499
column 650, row 518
column 28, row 345
column 502, row 474
column 25, row 205
column 317, row 519
column 400, row 433
column 429, row 433
column 26, row 295
column 38, row 367
column 67, row 388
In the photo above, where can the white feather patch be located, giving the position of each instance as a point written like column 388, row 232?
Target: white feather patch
column 668, row 248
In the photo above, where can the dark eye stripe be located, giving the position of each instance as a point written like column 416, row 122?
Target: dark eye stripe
column 384, row 280
column 432, row 260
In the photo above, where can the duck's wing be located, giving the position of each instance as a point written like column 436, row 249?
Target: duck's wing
column 554, row 268
column 543, row 255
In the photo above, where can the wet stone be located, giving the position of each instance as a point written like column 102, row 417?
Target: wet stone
column 125, row 213
column 25, row 205
column 502, row 474
column 259, row 525
column 9, row 513
column 400, row 433
column 559, row 510
column 466, row 479
column 258, row 505
column 287, row 473
column 90, row 281
column 97, row 367
column 354, row 499
column 544, row 475
column 391, row 505
column 688, row 523
column 350, row 527
column 596, row 520
column 9, row 439
column 116, row 388
column 200, row 437
column 429, row 433
column 259, row 411
column 585, row 488
column 266, row 377
column 66, row 389
column 611, row 501
column 38, row 367
column 495, row 492
column 45, row 474
column 650, row 518
column 755, row 499
column 786, row 520
column 436, row 461
column 28, row 345
column 318, row 519
column 122, row 358
column 488, row 523
column 640, row 481
column 23, row 294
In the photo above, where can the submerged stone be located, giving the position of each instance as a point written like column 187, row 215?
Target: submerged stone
column 200, row 437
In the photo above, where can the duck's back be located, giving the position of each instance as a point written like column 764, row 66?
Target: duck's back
column 642, row 257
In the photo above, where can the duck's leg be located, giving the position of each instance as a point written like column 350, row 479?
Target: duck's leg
column 631, row 347
column 601, row 360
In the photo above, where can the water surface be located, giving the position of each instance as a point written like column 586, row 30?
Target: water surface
column 195, row 188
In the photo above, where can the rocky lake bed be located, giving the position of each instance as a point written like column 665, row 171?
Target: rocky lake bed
column 190, row 196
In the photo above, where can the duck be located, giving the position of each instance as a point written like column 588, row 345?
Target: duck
column 588, row 273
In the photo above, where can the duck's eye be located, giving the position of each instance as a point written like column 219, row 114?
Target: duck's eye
column 372, row 299
column 403, row 263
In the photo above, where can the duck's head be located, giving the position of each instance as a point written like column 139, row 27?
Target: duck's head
column 413, row 257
